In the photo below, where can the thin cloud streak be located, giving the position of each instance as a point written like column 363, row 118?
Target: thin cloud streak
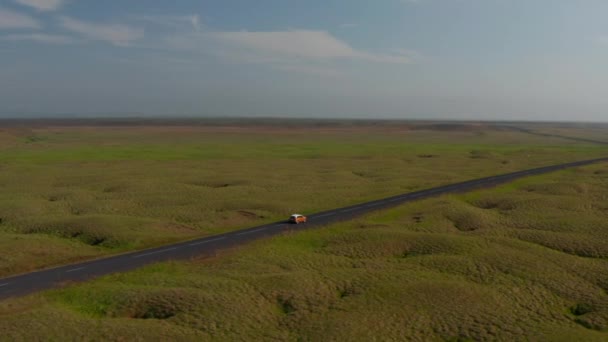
column 39, row 38
column 13, row 20
column 42, row 5
column 115, row 34
column 173, row 21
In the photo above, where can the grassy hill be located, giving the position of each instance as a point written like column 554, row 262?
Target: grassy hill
column 525, row 261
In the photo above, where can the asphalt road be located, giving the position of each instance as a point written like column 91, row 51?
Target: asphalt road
column 24, row 284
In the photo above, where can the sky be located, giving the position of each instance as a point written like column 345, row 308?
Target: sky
column 408, row 59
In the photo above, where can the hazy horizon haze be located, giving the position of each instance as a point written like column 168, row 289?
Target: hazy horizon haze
column 396, row 59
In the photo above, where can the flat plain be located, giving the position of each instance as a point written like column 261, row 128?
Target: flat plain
column 522, row 261
column 73, row 191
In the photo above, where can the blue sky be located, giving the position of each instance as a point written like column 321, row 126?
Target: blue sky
column 436, row 59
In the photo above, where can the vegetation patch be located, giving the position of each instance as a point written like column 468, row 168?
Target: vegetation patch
column 286, row 305
column 469, row 218
column 581, row 309
column 481, row 154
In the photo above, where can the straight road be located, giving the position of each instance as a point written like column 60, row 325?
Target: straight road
column 24, row 284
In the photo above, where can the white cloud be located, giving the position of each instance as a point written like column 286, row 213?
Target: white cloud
column 42, row 5
column 299, row 44
column 39, row 37
column 173, row 21
column 13, row 20
column 302, row 51
column 116, row 34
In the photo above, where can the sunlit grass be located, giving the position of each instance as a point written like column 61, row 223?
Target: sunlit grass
column 106, row 190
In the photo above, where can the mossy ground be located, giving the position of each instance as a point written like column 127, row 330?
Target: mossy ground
column 525, row 261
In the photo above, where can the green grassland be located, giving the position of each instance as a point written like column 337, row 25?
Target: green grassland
column 72, row 193
column 524, row 261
